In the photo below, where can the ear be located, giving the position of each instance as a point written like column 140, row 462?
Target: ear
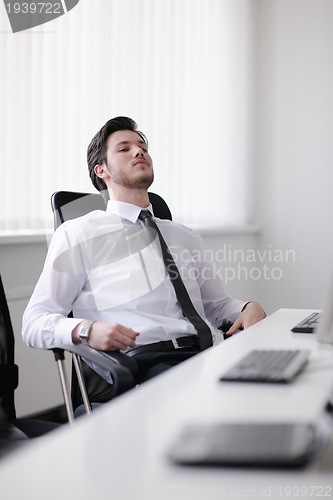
column 101, row 171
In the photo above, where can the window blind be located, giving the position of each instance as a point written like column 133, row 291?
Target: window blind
column 181, row 68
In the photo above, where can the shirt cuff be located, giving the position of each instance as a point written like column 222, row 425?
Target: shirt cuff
column 63, row 330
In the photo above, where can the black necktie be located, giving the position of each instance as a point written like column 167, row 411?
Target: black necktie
column 204, row 333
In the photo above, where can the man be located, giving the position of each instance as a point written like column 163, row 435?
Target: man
column 108, row 268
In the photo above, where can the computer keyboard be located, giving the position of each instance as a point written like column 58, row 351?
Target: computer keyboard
column 248, row 444
column 268, row 366
column 308, row 324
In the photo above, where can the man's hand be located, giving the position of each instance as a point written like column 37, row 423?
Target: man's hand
column 108, row 336
column 251, row 314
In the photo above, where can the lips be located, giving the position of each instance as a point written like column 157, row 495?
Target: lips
column 141, row 162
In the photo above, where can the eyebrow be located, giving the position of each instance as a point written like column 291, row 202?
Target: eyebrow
column 128, row 142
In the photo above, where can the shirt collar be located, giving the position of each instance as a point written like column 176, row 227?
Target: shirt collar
column 126, row 210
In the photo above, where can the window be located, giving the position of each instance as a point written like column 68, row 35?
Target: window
column 181, row 68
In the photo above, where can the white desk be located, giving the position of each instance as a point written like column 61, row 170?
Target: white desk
column 120, row 451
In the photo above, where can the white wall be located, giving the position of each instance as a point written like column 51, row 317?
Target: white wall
column 293, row 157
column 294, row 146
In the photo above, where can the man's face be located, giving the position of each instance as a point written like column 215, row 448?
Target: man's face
column 128, row 161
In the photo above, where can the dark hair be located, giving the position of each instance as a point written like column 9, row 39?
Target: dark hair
column 96, row 153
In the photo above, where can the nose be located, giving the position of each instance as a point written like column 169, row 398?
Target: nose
column 138, row 151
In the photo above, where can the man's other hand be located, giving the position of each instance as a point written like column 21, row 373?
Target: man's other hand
column 105, row 336
column 251, row 314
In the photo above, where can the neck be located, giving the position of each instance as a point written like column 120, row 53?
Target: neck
column 138, row 197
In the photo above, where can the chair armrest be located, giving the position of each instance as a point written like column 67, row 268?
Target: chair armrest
column 123, row 369
column 227, row 323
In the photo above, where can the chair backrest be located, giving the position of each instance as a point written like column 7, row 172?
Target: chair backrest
column 161, row 209
column 8, row 369
column 69, row 205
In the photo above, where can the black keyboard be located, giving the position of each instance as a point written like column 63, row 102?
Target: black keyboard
column 309, row 324
column 248, row 444
column 268, row 366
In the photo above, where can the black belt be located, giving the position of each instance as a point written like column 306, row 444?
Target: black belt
column 167, row 345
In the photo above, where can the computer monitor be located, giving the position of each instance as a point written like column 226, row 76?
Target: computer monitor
column 325, row 329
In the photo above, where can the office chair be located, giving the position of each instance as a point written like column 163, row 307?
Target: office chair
column 13, row 431
column 69, row 205
column 86, row 384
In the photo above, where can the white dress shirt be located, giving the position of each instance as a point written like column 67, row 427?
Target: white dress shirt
column 104, row 267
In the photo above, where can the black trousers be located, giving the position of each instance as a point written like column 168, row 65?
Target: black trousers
column 153, row 363
column 150, row 364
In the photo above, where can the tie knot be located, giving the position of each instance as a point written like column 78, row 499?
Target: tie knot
column 144, row 214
